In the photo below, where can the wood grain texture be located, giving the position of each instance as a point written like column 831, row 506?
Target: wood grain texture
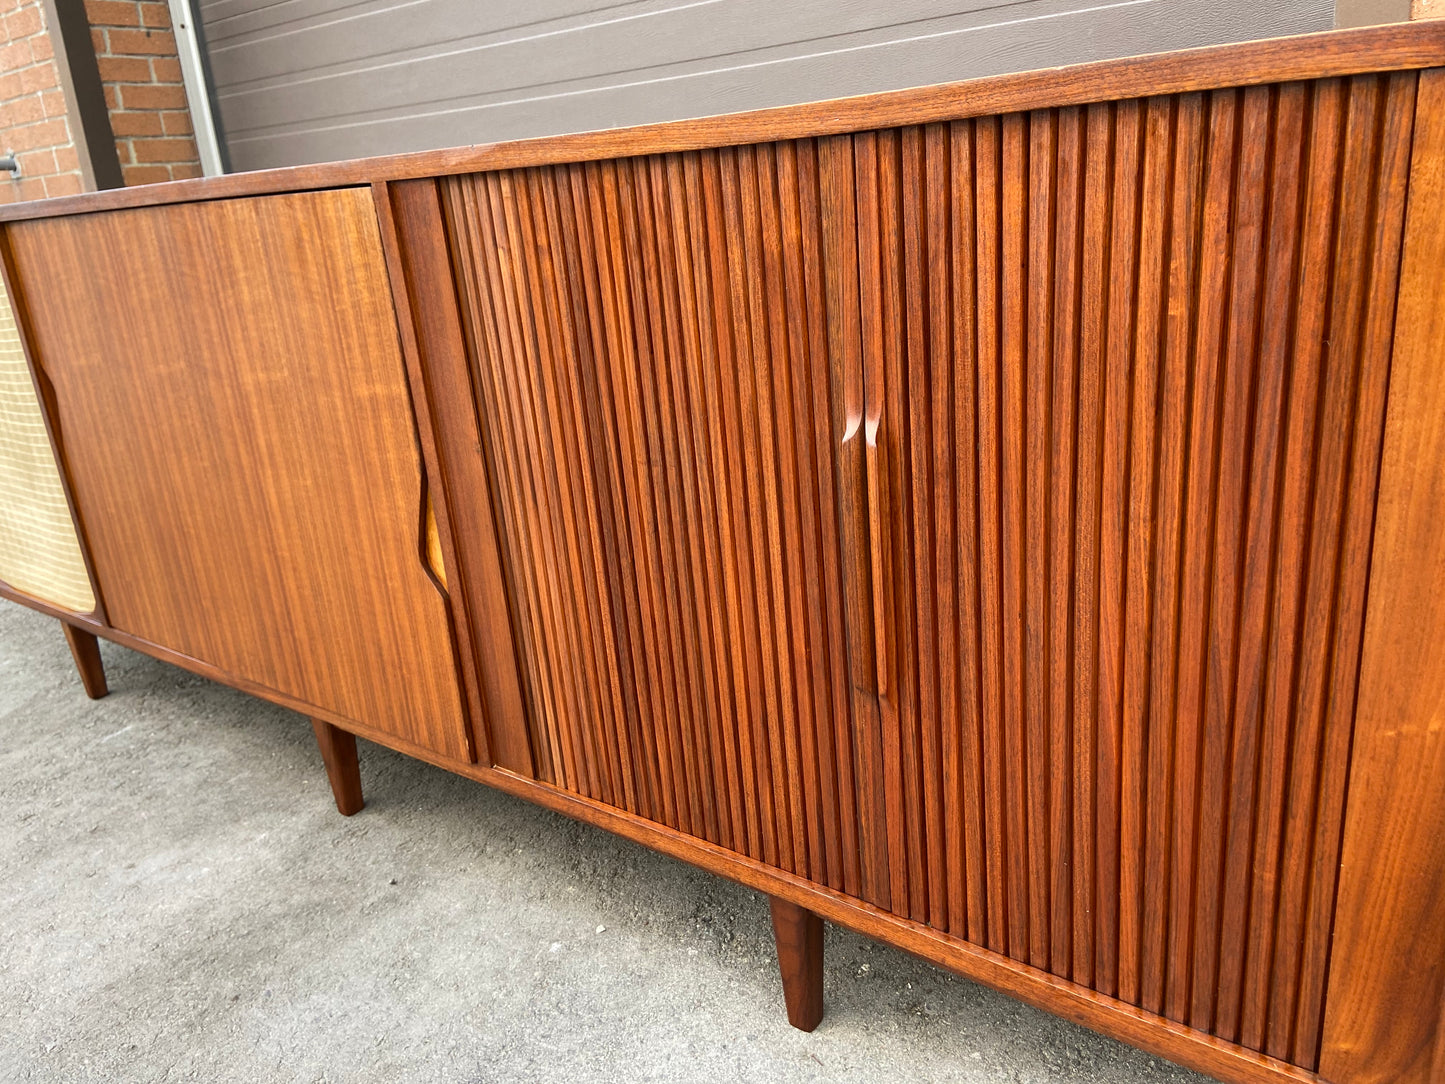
column 439, row 552
column 461, row 531
column 799, row 937
column 651, row 342
column 1187, row 1046
column 1174, row 417
column 1073, row 1001
column 241, row 430
column 1105, row 383
column 86, row 652
column 950, row 514
column 1387, row 969
column 343, row 772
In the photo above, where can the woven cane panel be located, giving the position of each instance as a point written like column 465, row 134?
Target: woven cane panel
column 39, row 549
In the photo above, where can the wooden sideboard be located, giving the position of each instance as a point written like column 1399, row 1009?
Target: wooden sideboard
column 1001, row 518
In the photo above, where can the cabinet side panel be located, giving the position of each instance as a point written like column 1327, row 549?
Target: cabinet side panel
column 1388, row 967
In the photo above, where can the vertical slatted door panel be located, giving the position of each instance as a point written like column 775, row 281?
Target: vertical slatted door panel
column 650, row 339
column 1135, row 378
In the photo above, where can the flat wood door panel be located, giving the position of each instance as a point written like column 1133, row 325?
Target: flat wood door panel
column 662, row 417
column 1129, row 362
column 236, row 422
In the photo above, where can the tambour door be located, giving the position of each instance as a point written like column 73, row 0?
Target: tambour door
column 652, row 355
column 974, row 518
column 233, row 413
column 1126, row 366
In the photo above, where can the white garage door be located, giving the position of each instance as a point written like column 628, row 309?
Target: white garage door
column 302, row 81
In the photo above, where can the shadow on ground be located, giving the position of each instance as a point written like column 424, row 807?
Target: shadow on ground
column 181, row 901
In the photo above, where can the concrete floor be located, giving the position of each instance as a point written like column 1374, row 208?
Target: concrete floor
column 181, row 901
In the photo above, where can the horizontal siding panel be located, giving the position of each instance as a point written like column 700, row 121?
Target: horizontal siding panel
column 316, row 82
column 279, row 44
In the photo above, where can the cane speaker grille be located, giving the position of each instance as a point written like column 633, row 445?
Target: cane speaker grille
column 39, row 548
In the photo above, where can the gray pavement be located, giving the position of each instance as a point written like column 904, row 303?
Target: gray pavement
column 181, row 901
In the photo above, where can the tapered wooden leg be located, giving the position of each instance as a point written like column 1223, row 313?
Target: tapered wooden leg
column 799, row 934
column 338, row 752
column 85, row 650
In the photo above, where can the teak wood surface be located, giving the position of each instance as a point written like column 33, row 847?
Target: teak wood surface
column 234, row 412
column 1388, row 963
column 338, row 754
column 85, row 650
column 999, row 518
column 799, row 936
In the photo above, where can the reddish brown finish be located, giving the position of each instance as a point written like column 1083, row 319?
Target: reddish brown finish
column 440, row 557
column 961, row 530
column 1100, row 596
column 657, row 394
column 1166, row 633
column 1187, row 1046
column 245, row 464
column 338, row 753
column 195, row 666
column 432, row 330
column 85, row 650
column 1072, row 1001
column 1387, row 966
column 799, row 936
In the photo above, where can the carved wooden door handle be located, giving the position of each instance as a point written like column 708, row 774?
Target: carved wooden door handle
column 879, row 546
column 879, row 514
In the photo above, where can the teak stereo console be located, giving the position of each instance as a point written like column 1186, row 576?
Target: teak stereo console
column 1006, row 519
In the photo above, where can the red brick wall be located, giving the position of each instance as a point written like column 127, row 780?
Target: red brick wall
column 136, row 53
column 33, row 120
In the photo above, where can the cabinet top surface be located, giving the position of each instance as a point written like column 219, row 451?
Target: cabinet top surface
column 1311, row 56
